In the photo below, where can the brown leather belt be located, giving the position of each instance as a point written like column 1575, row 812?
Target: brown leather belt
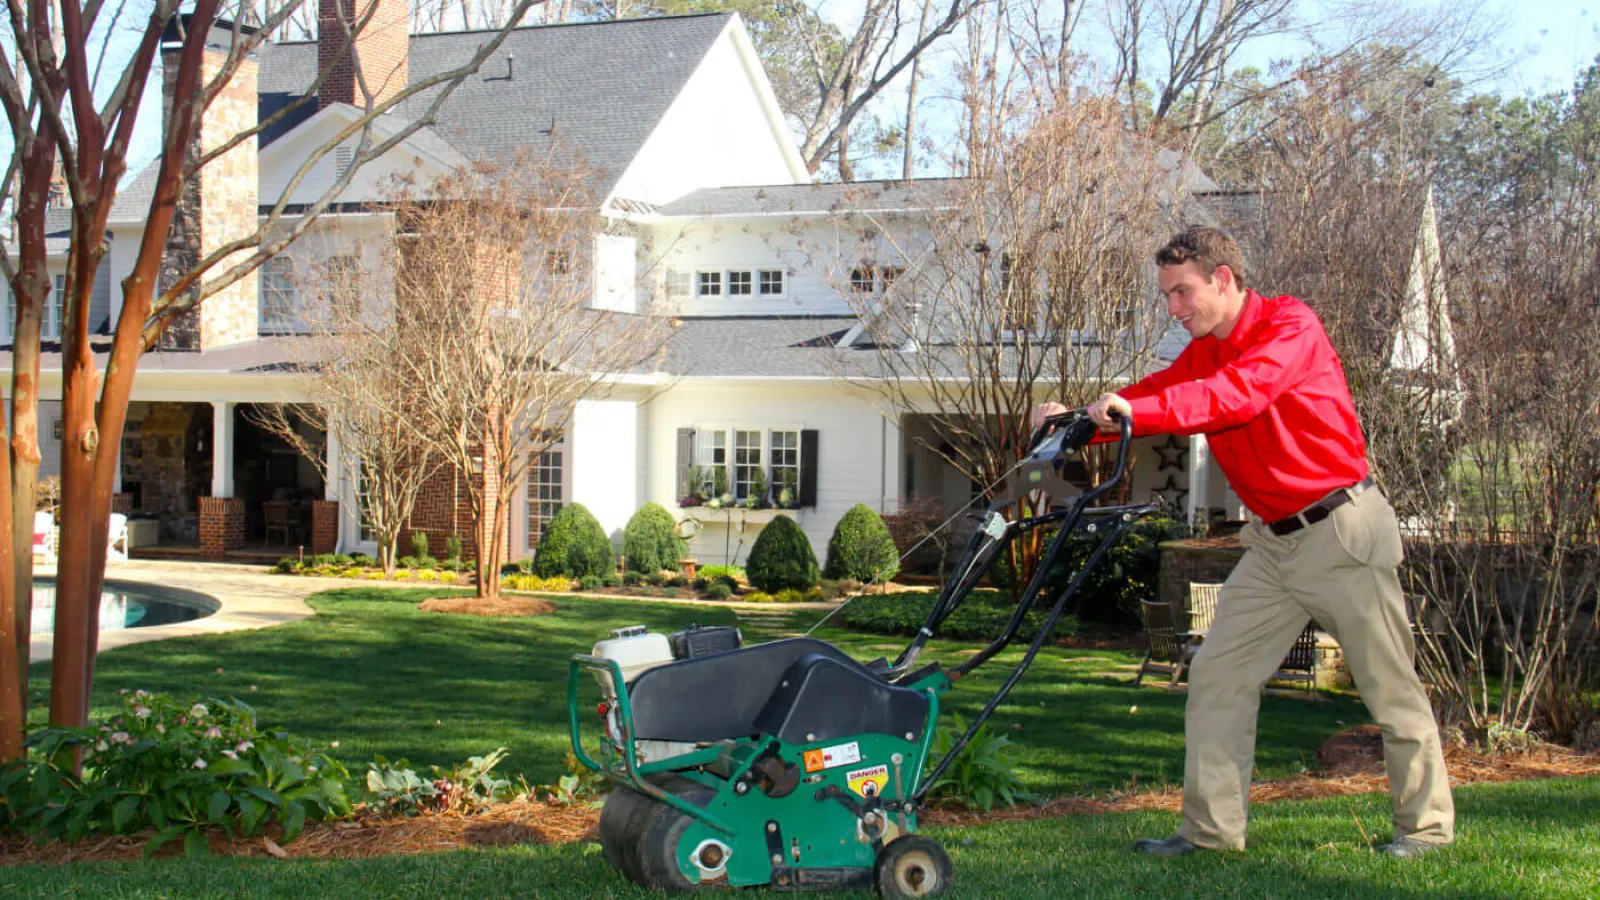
column 1321, row 509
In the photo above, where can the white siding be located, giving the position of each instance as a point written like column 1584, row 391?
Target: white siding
column 604, row 460
column 281, row 159
column 715, row 134
column 615, row 274
column 857, row 456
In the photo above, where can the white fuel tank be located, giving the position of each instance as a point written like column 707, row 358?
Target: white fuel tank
column 635, row 650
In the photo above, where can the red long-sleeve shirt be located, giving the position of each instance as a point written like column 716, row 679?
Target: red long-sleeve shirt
column 1272, row 400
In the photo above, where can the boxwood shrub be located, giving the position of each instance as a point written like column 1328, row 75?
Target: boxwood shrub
column 649, row 542
column 782, row 558
column 862, row 547
column 574, row 545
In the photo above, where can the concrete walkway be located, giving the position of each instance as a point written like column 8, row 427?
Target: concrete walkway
column 256, row 597
column 251, row 597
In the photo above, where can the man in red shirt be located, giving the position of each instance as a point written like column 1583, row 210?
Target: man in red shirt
column 1262, row 382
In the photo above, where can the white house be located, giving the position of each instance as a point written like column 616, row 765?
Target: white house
column 713, row 209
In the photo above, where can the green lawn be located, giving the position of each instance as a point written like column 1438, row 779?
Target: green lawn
column 380, row 677
column 1529, row 840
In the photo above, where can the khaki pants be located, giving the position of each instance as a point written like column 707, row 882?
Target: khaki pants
column 1340, row 571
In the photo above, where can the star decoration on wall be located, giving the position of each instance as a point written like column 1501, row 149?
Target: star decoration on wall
column 1173, row 454
column 1171, row 495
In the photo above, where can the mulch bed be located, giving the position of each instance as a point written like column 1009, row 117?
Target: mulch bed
column 489, row 606
column 1352, row 761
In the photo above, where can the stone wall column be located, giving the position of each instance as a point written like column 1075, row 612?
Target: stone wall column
column 221, row 526
column 324, row 526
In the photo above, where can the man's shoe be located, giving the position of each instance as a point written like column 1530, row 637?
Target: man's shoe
column 1408, row 848
column 1177, row 845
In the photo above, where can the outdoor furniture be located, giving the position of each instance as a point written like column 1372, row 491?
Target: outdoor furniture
column 278, row 518
column 1202, row 607
column 1301, row 663
column 117, row 538
column 44, row 536
column 1170, row 649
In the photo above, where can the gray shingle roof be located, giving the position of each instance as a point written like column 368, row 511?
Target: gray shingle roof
column 820, row 198
column 601, row 87
column 268, row 354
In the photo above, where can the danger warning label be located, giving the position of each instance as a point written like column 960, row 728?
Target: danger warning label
column 837, row 755
column 868, row 782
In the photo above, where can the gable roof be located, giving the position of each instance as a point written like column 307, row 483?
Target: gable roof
column 600, row 87
column 819, row 198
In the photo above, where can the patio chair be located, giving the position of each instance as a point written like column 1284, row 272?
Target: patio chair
column 1170, row 651
column 1301, row 663
column 276, row 515
column 44, row 536
column 1202, row 607
column 117, row 539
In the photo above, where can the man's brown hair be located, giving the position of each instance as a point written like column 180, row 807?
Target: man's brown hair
column 1207, row 248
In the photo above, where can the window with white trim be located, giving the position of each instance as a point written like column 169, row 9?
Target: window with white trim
column 770, row 282
column 740, row 282
column 279, row 301
column 749, row 459
column 679, row 284
column 50, row 325
column 708, row 284
column 711, row 455
column 747, row 465
column 544, row 492
column 784, row 460
column 861, row 280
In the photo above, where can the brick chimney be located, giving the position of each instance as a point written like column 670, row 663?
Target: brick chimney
column 219, row 203
column 380, row 51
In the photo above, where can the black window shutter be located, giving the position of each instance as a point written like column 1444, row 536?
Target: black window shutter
column 808, row 467
column 685, row 459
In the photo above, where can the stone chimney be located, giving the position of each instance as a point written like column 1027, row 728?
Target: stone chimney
column 380, row 51
column 219, row 204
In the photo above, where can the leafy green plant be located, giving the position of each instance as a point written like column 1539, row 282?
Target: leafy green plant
column 632, row 578
column 363, row 560
column 712, row 573
column 590, row 582
column 782, row 558
column 758, row 597
column 288, row 564
column 757, row 499
column 580, row 785
column 322, row 560
column 981, row 773
column 465, row 788
column 574, row 545
column 862, row 547
column 407, row 562
column 177, row 768
column 789, row 595
column 788, row 497
column 1128, row 573
column 610, row 580
column 452, row 547
column 650, row 541
column 427, row 562
column 552, row 585
column 419, row 544
column 718, row 591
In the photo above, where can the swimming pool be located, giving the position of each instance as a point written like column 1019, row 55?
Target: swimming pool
column 126, row 605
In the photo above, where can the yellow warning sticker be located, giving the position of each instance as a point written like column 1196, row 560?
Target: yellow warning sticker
column 868, row 782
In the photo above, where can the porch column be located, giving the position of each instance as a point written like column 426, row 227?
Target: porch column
column 221, row 448
column 1199, row 480
column 891, row 454
column 326, row 530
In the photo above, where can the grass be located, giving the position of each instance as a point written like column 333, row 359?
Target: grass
column 1527, row 840
column 379, row 676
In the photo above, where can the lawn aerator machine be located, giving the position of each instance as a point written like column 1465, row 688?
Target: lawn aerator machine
column 790, row 763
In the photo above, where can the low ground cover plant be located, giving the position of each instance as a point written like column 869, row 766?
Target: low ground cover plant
column 981, row 617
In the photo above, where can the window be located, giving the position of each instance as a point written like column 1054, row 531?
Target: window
column 278, row 300
column 747, row 475
column 343, row 275
column 679, row 284
column 558, row 262
column 544, row 493
column 861, row 280
column 785, row 457
column 739, row 283
column 711, row 455
column 708, row 284
column 771, row 282
column 887, row 275
column 50, row 328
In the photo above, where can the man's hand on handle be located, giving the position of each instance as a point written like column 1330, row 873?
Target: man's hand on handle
column 1100, row 411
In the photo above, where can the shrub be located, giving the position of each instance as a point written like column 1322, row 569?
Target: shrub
column 427, row 562
column 789, row 595
column 574, row 545
column 552, row 585
column 655, row 579
column 718, row 591
column 650, row 541
column 981, row 773
column 363, row 560
column 632, row 578
column 981, row 617
column 407, row 562
column 712, row 573
column 589, row 582
column 452, row 547
column 174, row 768
column 419, row 543
column 322, row 560
column 342, row 560
column 700, row 583
column 1128, row 573
column 758, row 597
column 677, row 581
column 610, row 580
column 862, row 547
column 426, row 575
column 782, row 558
column 287, row 564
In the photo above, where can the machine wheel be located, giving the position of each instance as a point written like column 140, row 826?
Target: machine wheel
column 658, row 844
column 623, row 818
column 912, row 866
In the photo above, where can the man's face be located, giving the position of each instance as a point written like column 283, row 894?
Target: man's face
column 1197, row 302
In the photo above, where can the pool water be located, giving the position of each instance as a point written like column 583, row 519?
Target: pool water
column 124, row 606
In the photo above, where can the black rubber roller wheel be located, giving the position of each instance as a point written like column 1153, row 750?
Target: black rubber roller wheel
column 659, row 844
column 623, row 818
column 912, row 866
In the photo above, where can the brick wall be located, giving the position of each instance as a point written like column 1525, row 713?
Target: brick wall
column 380, row 50
column 324, row 526
column 221, row 526
column 444, row 507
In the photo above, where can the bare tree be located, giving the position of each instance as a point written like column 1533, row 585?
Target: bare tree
column 496, row 304
column 1031, row 281
column 61, row 114
column 362, row 401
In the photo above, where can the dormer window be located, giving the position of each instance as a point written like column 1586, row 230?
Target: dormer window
column 861, row 280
